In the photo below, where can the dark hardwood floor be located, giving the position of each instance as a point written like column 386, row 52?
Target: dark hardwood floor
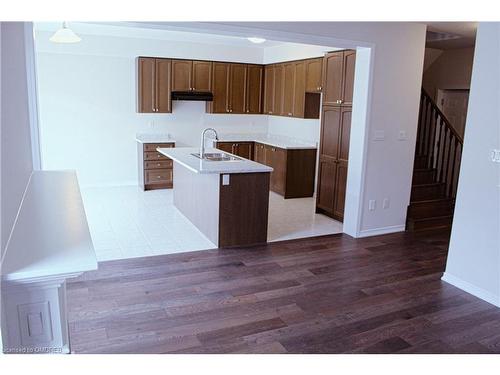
column 331, row 294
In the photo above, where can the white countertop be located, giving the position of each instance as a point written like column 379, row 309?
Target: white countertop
column 287, row 143
column 182, row 155
column 51, row 236
column 153, row 138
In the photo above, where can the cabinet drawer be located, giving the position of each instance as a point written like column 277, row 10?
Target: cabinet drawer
column 153, row 155
column 158, row 164
column 158, row 176
column 154, row 146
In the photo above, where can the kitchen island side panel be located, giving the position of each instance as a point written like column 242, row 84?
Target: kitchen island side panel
column 244, row 209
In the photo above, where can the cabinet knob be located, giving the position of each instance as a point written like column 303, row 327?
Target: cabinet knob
column 289, row 113
column 158, row 177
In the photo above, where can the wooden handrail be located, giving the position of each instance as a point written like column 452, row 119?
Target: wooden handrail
column 441, row 114
column 439, row 146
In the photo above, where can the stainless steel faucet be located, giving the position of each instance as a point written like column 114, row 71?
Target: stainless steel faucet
column 202, row 145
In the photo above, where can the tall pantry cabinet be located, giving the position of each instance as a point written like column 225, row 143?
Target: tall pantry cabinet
column 338, row 83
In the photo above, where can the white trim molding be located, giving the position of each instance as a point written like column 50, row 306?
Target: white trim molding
column 471, row 289
column 380, row 231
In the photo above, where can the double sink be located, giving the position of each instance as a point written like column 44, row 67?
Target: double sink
column 217, row 156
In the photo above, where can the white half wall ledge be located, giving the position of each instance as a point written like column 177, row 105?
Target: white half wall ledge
column 471, row 289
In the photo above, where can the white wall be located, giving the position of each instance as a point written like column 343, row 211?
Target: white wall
column 88, row 105
column 16, row 159
column 293, row 51
column 451, row 70
column 474, row 256
column 16, row 156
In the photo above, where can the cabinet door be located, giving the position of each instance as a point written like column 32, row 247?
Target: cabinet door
column 299, row 89
column 245, row 150
column 220, row 103
column 328, row 158
column 314, row 68
column 288, row 88
column 348, row 77
column 332, row 78
column 260, row 153
column 202, row 76
column 269, row 89
column 163, row 77
column 278, row 89
column 254, row 89
column 237, row 88
column 342, row 162
column 181, row 75
column 146, row 85
column 226, row 146
column 278, row 175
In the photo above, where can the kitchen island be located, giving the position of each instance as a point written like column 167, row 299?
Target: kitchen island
column 228, row 201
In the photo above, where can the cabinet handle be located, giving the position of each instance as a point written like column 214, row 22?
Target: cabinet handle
column 289, row 113
column 158, row 177
column 158, row 164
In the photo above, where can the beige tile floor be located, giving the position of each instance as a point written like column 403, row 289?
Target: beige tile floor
column 126, row 222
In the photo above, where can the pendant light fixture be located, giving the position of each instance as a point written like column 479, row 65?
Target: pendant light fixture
column 65, row 35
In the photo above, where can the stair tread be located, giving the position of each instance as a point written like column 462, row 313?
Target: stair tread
column 430, row 218
column 430, row 184
column 435, row 200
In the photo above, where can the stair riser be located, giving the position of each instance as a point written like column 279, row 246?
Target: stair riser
column 423, row 177
column 431, row 209
column 420, row 162
column 420, row 193
column 438, row 223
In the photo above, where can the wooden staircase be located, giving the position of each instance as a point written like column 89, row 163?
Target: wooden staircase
column 435, row 172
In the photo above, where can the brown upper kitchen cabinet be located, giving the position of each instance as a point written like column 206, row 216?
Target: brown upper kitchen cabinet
column 191, row 75
column 153, row 85
column 269, row 89
column 288, row 89
column 314, row 69
column 220, row 89
column 278, row 93
column 254, row 89
column 338, row 77
column 237, row 88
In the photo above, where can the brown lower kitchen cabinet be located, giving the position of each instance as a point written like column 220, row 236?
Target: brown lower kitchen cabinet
column 333, row 161
column 293, row 169
column 243, row 149
column 155, row 169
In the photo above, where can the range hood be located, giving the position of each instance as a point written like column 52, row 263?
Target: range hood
column 193, row 95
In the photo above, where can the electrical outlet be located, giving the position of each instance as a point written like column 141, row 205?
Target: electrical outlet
column 385, row 203
column 402, row 136
column 372, row 203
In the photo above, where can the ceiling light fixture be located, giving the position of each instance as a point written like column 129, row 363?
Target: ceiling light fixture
column 256, row 40
column 65, row 35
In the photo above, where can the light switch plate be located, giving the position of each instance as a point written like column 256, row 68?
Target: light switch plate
column 225, row 179
column 402, row 135
column 378, row 135
column 372, row 204
column 495, row 156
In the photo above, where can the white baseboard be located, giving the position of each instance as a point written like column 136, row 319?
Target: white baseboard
column 472, row 289
column 383, row 230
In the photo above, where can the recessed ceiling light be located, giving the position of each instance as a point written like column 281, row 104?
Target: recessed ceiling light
column 65, row 35
column 256, row 40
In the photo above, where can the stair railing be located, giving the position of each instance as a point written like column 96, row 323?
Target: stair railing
column 439, row 144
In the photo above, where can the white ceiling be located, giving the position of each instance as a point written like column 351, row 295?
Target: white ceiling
column 126, row 30
column 465, row 33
